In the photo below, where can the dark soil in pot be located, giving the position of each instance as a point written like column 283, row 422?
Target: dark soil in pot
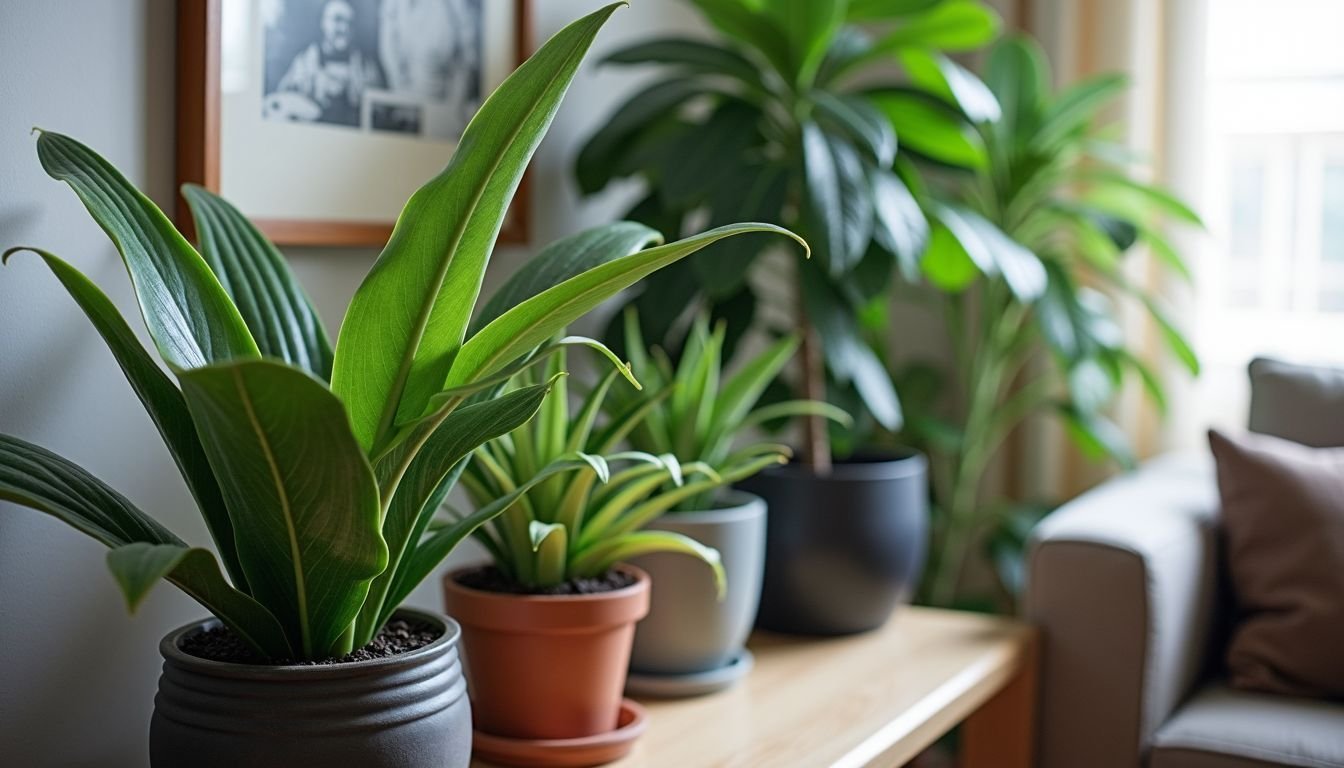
column 490, row 579
column 398, row 636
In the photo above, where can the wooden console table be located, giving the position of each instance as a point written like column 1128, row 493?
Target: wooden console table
column 877, row 699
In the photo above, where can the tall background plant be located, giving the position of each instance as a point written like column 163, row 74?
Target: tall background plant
column 811, row 113
column 1028, row 252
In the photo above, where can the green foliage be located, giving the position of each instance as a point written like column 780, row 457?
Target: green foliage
column 705, row 414
column 1029, row 251
column 579, row 524
column 319, row 496
column 810, row 114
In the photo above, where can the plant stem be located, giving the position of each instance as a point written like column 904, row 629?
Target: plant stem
column 816, row 454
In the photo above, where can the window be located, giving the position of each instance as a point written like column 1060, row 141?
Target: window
column 1273, row 279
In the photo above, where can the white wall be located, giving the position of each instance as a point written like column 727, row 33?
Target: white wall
column 77, row 675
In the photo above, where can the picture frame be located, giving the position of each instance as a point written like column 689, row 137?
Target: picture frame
column 246, row 79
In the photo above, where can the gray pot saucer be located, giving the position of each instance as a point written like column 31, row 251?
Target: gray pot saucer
column 691, row 684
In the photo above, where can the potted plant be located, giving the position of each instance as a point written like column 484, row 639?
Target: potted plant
column 794, row 113
column 317, row 469
column 693, row 640
column 1035, row 239
column 548, row 625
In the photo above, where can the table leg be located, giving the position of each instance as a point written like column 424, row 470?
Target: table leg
column 1002, row 733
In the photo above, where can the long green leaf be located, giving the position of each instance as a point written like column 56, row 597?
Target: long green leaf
column 603, row 556
column 409, row 510
column 408, row 319
column 161, row 400
column 189, row 316
column 37, row 478
column 139, row 566
column 530, row 323
column 808, row 26
column 953, row 25
column 271, row 301
column 429, row 553
column 692, row 55
column 301, row 494
column 564, row 259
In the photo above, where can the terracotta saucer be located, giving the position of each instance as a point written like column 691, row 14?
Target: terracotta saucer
column 694, row 684
column 565, row 753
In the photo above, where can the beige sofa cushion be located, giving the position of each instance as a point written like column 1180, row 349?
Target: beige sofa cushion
column 1225, row 728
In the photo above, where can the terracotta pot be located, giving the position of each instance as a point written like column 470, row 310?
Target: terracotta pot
column 546, row 666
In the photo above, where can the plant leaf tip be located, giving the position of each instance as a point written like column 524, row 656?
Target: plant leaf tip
column 4, row 257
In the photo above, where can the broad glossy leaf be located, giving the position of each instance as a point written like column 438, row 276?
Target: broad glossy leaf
column 1171, row 334
column 1075, row 107
column 899, row 223
column 930, row 128
column 743, row 22
column 189, row 316
column 863, row 122
column 600, row 157
column 693, row 55
column 1018, row 75
column 1097, row 436
column 953, row 25
column 138, row 566
column 824, row 195
column 809, row 26
column 37, row 478
column 564, row 259
column 848, row 356
column 856, row 206
column 994, row 252
column 708, row 156
column 408, row 319
column 162, row 401
column 409, row 510
column 523, row 327
column 884, row 10
column 752, row 192
column 952, row 82
column 945, row 262
column 271, row 301
column 301, row 494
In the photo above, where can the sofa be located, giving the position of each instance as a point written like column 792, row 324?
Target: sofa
column 1127, row 587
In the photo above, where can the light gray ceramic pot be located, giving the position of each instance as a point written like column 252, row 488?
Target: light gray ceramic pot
column 688, row 630
column 405, row 711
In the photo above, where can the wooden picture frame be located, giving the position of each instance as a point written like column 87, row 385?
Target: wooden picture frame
column 199, row 26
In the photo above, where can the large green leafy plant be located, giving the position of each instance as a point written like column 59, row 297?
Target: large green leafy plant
column 557, row 527
column 318, row 469
column 807, row 112
column 695, row 414
column 1029, row 253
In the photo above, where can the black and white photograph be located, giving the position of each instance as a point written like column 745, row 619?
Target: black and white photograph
column 411, row 67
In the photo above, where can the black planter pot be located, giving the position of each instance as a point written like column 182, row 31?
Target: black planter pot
column 844, row 549
column 405, row 711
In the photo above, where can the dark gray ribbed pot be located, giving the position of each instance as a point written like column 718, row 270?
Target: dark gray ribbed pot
column 842, row 550
column 406, row 711
column 688, row 629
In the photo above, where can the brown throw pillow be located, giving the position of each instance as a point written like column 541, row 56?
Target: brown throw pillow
column 1283, row 522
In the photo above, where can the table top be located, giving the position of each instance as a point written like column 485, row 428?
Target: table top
column 876, row 699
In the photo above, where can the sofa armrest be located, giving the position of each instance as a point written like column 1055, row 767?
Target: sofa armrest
column 1122, row 582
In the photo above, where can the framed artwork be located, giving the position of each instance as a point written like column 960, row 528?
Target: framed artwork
column 319, row 118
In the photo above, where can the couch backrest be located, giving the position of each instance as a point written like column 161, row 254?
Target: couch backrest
column 1302, row 403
